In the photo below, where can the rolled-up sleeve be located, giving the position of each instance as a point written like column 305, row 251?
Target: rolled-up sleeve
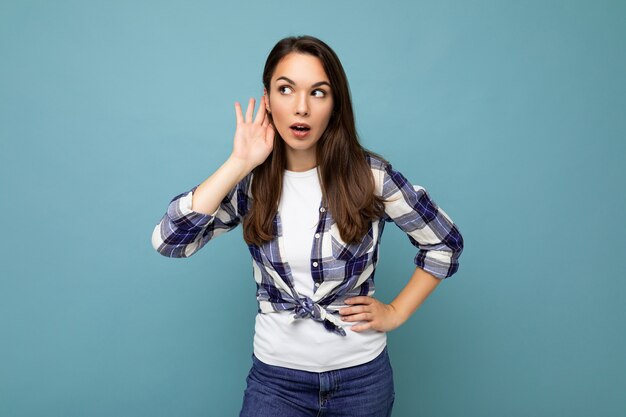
column 182, row 231
column 428, row 227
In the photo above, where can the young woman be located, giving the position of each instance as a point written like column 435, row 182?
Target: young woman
column 313, row 203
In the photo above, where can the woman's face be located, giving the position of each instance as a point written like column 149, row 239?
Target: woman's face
column 300, row 95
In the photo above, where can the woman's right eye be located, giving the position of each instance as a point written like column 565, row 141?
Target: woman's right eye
column 282, row 89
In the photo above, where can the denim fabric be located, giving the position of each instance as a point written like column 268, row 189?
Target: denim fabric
column 364, row 390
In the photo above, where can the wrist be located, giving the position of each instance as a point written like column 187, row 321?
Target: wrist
column 399, row 315
column 239, row 166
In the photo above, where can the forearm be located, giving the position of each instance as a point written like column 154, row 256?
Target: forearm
column 189, row 222
column 208, row 196
column 413, row 294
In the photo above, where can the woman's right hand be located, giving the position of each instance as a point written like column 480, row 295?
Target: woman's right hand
column 254, row 140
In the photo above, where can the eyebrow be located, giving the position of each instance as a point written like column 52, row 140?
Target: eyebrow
column 317, row 84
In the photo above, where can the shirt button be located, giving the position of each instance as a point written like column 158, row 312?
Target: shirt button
column 317, row 236
column 315, row 264
column 317, row 284
column 322, row 209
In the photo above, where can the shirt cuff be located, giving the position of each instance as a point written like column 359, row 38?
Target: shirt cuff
column 182, row 215
column 438, row 263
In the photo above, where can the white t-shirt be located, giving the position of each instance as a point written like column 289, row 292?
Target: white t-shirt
column 304, row 343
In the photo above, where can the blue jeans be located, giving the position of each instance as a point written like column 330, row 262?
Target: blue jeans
column 364, row 390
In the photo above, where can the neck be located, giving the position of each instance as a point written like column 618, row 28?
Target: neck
column 300, row 161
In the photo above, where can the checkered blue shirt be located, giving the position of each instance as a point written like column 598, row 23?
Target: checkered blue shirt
column 339, row 270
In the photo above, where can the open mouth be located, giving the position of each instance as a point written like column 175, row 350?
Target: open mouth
column 300, row 127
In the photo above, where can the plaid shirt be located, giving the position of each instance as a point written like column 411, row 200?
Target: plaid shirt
column 339, row 270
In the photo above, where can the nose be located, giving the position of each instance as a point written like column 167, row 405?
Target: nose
column 302, row 105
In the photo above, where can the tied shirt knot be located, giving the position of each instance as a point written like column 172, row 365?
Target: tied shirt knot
column 307, row 308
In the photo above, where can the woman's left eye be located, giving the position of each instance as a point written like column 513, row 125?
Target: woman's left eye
column 322, row 93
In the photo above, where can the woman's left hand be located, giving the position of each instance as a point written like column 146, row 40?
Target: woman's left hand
column 376, row 315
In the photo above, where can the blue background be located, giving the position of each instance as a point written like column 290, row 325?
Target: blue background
column 510, row 113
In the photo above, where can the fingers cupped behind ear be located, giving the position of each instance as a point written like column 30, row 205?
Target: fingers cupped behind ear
column 238, row 114
column 269, row 134
column 260, row 114
column 250, row 110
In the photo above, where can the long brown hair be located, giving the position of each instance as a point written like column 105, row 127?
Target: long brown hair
column 345, row 176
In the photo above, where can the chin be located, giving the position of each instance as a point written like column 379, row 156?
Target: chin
column 300, row 146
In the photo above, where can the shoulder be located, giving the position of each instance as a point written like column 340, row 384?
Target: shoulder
column 387, row 179
column 380, row 167
column 376, row 162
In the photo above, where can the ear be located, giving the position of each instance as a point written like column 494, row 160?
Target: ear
column 267, row 100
